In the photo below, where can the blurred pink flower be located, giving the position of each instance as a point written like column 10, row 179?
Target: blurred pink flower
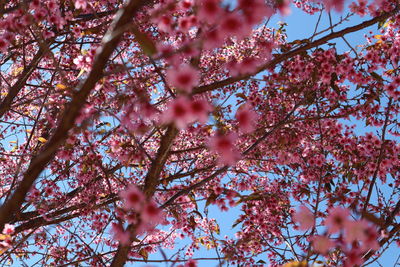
column 304, row 217
column 8, row 229
column 209, row 10
column 199, row 109
column 133, row 197
column 246, row 118
column 178, row 112
column 185, row 77
column 223, row 145
column 322, row 244
column 120, row 234
column 151, row 213
column 336, row 219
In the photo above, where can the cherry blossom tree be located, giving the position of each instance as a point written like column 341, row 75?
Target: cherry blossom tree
column 124, row 123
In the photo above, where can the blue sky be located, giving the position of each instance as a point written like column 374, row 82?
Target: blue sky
column 300, row 26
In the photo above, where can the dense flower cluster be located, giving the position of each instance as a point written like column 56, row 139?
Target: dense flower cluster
column 136, row 130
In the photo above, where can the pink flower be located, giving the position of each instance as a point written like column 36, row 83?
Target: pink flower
column 336, row 219
column 322, row 244
column 304, row 217
column 191, row 263
column 80, row 4
column 184, row 24
column 284, row 7
column 370, row 239
column 255, row 10
column 213, row 39
column 8, row 229
column 246, row 118
column 166, row 51
column 355, row 230
column 178, row 112
column 248, row 65
column 120, row 234
column 186, row 4
column 233, row 67
column 164, row 23
column 354, row 257
column 199, row 109
column 223, row 145
column 209, row 10
column 335, row 4
column 151, row 213
column 3, row 44
column 233, row 24
column 133, row 197
column 185, row 77
column 183, row 111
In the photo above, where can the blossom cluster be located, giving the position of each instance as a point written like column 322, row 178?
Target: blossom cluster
column 353, row 237
column 138, row 211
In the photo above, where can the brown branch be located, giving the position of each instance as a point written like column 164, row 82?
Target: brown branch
column 16, row 88
column 225, row 168
column 150, row 184
column 39, row 162
column 380, row 157
column 153, row 176
column 70, row 195
column 44, row 220
column 280, row 58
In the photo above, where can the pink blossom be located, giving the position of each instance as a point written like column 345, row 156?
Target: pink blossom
column 151, row 213
column 3, row 44
column 184, row 24
column 199, row 109
column 183, row 111
column 248, row 65
column 164, row 23
column 354, row 257
column 233, row 67
column 209, row 10
column 133, row 197
column 338, row 5
column 355, row 230
column 120, row 234
column 185, row 77
column 166, row 51
column 224, row 146
column 322, row 244
column 8, row 229
column 284, row 7
column 336, row 219
column 233, row 24
column 186, row 4
column 81, row 4
column 213, row 39
column 178, row 112
column 304, row 217
column 246, row 118
column 370, row 240
column 191, row 263
column 255, row 10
